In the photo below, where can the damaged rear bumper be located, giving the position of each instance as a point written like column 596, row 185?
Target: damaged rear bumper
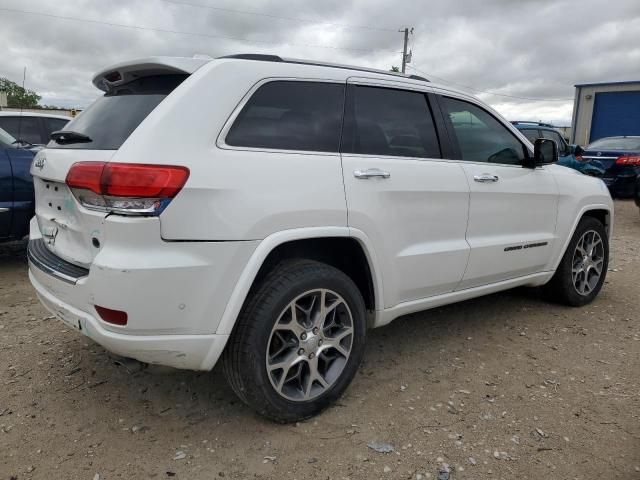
column 192, row 352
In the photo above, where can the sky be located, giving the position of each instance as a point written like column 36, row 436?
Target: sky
column 536, row 49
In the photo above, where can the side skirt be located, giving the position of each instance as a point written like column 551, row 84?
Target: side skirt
column 387, row 315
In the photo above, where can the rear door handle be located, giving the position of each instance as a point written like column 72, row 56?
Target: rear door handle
column 370, row 173
column 2, row 209
column 485, row 178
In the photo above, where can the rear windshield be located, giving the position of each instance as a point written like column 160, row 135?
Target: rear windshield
column 110, row 120
column 616, row 143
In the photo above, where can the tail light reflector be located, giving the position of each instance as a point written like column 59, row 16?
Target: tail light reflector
column 115, row 317
column 631, row 161
column 126, row 188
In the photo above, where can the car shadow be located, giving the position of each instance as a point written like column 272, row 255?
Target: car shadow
column 191, row 398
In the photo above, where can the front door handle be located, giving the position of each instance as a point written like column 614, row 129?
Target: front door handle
column 2, row 210
column 485, row 178
column 370, row 173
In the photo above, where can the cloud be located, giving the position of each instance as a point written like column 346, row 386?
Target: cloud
column 529, row 48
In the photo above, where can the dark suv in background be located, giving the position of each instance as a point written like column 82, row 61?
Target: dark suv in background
column 16, row 188
column 568, row 155
column 32, row 128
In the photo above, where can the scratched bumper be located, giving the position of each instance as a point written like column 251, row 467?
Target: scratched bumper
column 192, row 352
column 174, row 294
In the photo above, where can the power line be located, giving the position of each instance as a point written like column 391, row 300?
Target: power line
column 176, row 32
column 281, row 17
column 492, row 93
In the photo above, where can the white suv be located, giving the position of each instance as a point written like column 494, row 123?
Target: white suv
column 266, row 211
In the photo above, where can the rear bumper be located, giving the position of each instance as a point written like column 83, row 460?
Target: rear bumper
column 192, row 352
column 622, row 185
column 174, row 293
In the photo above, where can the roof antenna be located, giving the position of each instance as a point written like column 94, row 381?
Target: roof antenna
column 19, row 139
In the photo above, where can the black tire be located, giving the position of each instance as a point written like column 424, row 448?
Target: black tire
column 244, row 359
column 561, row 287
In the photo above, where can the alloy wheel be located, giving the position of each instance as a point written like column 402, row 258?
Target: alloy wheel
column 588, row 261
column 309, row 345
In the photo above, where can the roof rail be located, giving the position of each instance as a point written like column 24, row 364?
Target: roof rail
column 527, row 122
column 255, row 56
column 275, row 58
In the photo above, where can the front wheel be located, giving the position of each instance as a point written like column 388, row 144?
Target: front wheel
column 583, row 267
column 298, row 341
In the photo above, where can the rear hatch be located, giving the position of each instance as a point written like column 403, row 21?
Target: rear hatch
column 133, row 90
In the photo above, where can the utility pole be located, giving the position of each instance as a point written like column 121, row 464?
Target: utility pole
column 406, row 57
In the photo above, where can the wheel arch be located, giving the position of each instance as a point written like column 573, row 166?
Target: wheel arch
column 602, row 212
column 329, row 245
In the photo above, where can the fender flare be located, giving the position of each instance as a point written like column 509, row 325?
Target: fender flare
column 583, row 210
column 266, row 246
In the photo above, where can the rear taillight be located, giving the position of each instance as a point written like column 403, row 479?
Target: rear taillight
column 631, row 161
column 126, row 188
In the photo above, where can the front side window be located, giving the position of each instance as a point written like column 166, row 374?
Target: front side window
column 291, row 115
column 393, row 122
column 6, row 140
column 480, row 136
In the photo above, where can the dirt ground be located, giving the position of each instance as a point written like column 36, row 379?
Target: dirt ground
column 502, row 387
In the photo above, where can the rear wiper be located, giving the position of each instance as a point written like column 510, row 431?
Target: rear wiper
column 22, row 143
column 64, row 137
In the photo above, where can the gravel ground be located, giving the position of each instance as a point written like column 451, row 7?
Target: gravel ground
column 501, row 387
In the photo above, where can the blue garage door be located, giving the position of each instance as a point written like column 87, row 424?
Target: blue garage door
column 615, row 113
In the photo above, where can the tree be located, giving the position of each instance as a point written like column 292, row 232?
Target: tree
column 395, row 69
column 17, row 96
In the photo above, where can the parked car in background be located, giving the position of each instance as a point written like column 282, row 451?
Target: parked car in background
column 32, row 128
column 637, row 196
column 272, row 225
column 568, row 155
column 16, row 188
column 620, row 157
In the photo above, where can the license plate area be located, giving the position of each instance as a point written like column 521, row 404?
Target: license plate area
column 55, row 197
column 66, row 227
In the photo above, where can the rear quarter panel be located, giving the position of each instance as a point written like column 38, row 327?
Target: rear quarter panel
column 235, row 194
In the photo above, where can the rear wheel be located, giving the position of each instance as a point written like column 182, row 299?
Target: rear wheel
column 583, row 267
column 298, row 341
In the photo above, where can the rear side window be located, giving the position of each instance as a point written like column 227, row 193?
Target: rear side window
column 556, row 138
column 110, row 120
column 480, row 136
column 54, row 124
column 387, row 121
column 290, row 115
column 616, row 143
column 531, row 134
column 23, row 128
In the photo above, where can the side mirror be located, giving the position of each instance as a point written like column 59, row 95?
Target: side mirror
column 545, row 151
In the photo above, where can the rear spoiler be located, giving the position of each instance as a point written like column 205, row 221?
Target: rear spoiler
column 126, row 71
